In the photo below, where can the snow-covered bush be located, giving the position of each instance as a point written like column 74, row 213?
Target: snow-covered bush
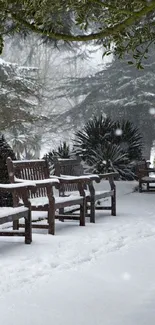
column 109, row 146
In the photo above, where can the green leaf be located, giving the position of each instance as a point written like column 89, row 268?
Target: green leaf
column 139, row 66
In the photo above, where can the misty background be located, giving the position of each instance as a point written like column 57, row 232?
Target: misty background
column 47, row 93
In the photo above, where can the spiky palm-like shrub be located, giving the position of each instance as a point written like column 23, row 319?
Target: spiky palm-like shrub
column 95, row 132
column 109, row 157
column 63, row 151
column 130, row 140
column 106, row 145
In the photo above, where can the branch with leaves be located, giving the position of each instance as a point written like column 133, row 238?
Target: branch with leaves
column 127, row 24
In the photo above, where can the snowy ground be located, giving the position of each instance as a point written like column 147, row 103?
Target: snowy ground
column 93, row 275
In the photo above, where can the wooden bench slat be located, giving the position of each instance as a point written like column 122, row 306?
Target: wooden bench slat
column 12, row 233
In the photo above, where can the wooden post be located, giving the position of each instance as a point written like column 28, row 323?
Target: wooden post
column 82, row 212
column 28, row 227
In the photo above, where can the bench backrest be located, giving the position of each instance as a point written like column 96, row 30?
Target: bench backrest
column 70, row 167
column 141, row 169
column 29, row 170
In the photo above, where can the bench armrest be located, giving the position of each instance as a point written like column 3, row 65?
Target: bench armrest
column 19, row 189
column 16, row 186
column 93, row 177
column 39, row 183
column 109, row 175
column 74, row 179
column 150, row 169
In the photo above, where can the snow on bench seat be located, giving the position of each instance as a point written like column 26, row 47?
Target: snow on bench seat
column 8, row 214
column 42, row 201
column 7, row 211
column 98, row 194
column 70, row 198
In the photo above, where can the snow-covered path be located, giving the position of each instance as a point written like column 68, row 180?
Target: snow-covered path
column 102, row 273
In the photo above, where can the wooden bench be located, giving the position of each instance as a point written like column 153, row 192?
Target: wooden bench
column 142, row 172
column 74, row 167
column 42, row 197
column 13, row 214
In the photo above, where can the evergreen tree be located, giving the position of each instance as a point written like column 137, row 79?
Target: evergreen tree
column 18, row 95
column 5, row 152
column 20, row 114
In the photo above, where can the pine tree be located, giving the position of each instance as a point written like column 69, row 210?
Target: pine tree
column 5, row 152
column 20, row 110
column 18, row 95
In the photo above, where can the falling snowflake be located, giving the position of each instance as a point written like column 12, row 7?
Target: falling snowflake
column 152, row 111
column 118, row 132
column 104, row 162
column 126, row 276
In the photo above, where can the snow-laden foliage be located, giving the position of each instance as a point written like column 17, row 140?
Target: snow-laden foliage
column 19, row 100
column 127, row 24
column 18, row 96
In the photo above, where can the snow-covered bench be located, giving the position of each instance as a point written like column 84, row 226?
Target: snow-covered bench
column 72, row 167
column 42, row 197
column 13, row 214
column 143, row 174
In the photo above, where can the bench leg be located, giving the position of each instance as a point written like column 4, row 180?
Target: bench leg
column 61, row 212
column 87, row 209
column 82, row 213
column 113, row 203
column 140, row 187
column 28, row 228
column 16, row 225
column 51, row 217
column 148, row 187
column 92, row 210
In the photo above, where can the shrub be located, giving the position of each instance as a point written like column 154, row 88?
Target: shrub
column 63, row 151
column 109, row 146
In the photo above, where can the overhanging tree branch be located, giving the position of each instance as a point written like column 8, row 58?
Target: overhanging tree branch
column 106, row 32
